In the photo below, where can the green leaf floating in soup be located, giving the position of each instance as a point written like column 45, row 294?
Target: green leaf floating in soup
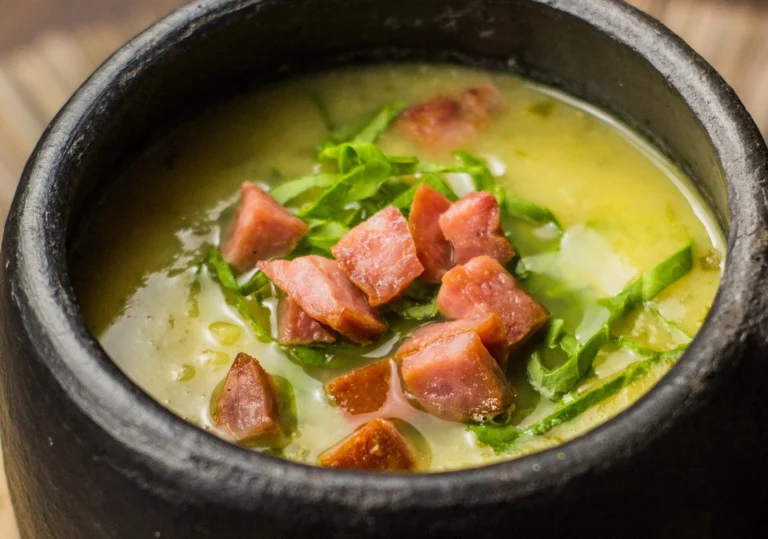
column 586, row 263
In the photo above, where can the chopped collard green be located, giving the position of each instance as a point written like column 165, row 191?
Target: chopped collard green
column 368, row 133
column 503, row 437
column 286, row 192
column 224, row 274
column 554, row 383
column 380, row 123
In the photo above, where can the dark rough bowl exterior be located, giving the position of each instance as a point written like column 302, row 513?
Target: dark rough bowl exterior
column 89, row 455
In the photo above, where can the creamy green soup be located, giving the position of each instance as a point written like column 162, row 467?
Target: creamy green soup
column 165, row 321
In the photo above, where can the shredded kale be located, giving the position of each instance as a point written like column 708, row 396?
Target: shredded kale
column 306, row 355
column 419, row 302
column 518, row 208
column 554, row 383
column 289, row 413
column 554, row 332
column 503, row 437
column 671, row 326
column 322, row 235
column 223, row 272
column 245, row 312
column 380, row 123
column 286, row 192
column 370, row 132
column 411, row 310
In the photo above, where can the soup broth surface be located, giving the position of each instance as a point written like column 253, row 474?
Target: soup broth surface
column 165, row 321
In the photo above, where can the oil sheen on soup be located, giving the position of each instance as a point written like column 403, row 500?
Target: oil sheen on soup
column 613, row 255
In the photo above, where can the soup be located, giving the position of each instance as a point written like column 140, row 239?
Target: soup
column 427, row 268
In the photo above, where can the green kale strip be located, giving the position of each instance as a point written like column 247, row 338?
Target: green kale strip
column 518, row 208
column 554, row 383
column 672, row 327
column 364, row 169
column 224, row 274
column 287, row 191
column 289, row 412
column 371, row 180
column 370, row 132
column 383, row 119
column 321, row 237
column 420, row 311
column 305, row 355
column 503, row 437
column 419, row 302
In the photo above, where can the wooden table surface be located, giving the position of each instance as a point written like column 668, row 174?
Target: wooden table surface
column 48, row 47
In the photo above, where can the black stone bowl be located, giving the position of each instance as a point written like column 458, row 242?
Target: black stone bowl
column 89, row 455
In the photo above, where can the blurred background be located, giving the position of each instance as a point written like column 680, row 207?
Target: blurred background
column 49, row 47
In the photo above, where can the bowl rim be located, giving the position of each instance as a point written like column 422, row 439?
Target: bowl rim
column 201, row 463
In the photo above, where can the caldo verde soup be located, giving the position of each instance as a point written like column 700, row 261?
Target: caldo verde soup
column 399, row 267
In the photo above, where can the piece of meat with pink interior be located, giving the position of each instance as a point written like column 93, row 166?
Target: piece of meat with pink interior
column 473, row 226
column 262, row 229
column 457, row 379
column 482, row 286
column 379, row 256
column 297, row 327
column 432, row 248
column 247, row 406
column 490, row 329
column 363, row 390
column 376, row 446
column 326, row 294
column 446, row 123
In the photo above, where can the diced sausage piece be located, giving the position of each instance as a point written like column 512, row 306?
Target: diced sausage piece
column 483, row 286
column 363, row 390
column 446, row 123
column 376, row 446
column 297, row 327
column 457, row 379
column 473, row 227
column 262, row 229
column 247, row 406
column 379, row 256
column 489, row 328
column 325, row 293
column 432, row 248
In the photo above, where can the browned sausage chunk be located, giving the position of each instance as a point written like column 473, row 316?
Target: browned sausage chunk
column 446, row 123
column 247, row 406
column 473, row 227
column 457, row 379
column 483, row 286
column 489, row 328
column 376, row 446
column 363, row 390
column 379, row 256
column 432, row 248
column 325, row 293
column 262, row 229
column 297, row 327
